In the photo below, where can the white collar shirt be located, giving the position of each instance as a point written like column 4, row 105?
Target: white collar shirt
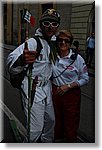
column 76, row 72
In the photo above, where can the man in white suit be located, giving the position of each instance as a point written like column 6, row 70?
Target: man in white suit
column 42, row 118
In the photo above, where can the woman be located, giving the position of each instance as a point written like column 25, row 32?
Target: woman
column 69, row 74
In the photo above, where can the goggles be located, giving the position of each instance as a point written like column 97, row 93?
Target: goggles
column 60, row 40
column 48, row 24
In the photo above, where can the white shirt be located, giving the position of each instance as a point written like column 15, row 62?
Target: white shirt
column 77, row 72
column 90, row 42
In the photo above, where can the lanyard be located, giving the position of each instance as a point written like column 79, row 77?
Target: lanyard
column 63, row 70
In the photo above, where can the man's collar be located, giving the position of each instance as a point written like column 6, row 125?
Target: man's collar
column 39, row 33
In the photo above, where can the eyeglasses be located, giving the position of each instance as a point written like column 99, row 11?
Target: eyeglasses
column 60, row 40
column 47, row 24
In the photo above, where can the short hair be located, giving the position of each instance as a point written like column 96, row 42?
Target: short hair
column 67, row 33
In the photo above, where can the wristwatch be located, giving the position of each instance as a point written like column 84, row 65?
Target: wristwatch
column 69, row 85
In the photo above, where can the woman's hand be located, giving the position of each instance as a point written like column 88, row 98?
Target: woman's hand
column 62, row 89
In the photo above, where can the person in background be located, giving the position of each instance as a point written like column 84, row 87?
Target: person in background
column 69, row 74
column 76, row 46
column 42, row 117
column 90, row 49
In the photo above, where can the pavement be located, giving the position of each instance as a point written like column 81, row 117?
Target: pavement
column 9, row 47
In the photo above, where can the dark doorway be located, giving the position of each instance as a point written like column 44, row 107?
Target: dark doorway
column 47, row 6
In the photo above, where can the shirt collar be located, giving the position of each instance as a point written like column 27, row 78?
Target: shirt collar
column 39, row 33
column 67, row 56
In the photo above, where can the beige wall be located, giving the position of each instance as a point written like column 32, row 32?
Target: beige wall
column 79, row 22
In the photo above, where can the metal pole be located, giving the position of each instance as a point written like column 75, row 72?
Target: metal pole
column 29, row 86
column 29, row 99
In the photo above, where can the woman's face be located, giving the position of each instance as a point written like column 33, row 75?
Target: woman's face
column 63, row 43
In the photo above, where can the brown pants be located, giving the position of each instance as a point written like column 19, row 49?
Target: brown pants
column 67, row 114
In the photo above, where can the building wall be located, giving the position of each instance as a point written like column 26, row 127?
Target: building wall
column 36, row 11
column 15, row 24
column 79, row 22
column 9, row 24
column 65, row 12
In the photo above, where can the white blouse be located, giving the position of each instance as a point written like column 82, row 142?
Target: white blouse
column 76, row 72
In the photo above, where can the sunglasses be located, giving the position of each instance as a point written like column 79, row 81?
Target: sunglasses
column 48, row 24
column 60, row 40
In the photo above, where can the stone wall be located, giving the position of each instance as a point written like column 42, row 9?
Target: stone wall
column 79, row 22
column 65, row 13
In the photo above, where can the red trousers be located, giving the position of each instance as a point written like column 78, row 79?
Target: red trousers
column 67, row 114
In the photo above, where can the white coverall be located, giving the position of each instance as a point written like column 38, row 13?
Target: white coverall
column 42, row 112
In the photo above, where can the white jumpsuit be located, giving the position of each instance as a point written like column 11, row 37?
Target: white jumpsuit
column 42, row 113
